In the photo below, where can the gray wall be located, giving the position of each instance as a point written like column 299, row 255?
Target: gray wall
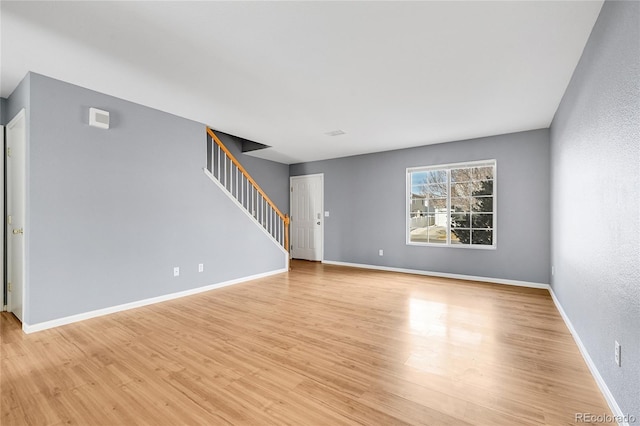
column 595, row 139
column 366, row 198
column 272, row 177
column 20, row 98
column 3, row 107
column 111, row 212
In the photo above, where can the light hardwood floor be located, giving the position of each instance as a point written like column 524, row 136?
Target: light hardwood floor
column 320, row 345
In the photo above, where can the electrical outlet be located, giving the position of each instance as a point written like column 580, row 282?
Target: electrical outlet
column 617, row 355
column 200, row 267
column 380, row 252
column 176, row 271
column 553, row 270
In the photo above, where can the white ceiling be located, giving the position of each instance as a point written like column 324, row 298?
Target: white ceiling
column 389, row 74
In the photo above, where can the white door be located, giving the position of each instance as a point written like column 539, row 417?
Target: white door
column 16, row 141
column 307, row 194
column 2, row 227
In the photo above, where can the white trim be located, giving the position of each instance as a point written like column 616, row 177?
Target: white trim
column 454, row 246
column 442, row 274
column 244, row 210
column 608, row 396
column 31, row 328
column 463, row 164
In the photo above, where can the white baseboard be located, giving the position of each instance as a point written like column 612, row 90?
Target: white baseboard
column 31, row 328
column 613, row 405
column 441, row 274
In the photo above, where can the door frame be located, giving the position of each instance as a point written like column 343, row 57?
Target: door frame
column 9, row 187
column 321, row 175
column 3, row 288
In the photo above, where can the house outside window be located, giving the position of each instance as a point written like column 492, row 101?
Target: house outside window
column 452, row 205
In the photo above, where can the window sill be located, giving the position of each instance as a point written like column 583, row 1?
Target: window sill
column 455, row 246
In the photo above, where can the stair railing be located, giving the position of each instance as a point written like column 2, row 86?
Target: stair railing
column 228, row 171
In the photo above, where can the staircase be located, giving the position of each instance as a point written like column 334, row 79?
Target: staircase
column 224, row 168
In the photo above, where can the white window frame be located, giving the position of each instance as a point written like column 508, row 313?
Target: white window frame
column 448, row 168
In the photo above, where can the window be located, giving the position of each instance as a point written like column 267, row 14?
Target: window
column 452, row 205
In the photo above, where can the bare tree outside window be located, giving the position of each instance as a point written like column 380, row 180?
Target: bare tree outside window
column 452, row 205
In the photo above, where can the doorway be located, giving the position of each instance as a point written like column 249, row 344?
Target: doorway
column 2, row 246
column 16, row 194
column 307, row 219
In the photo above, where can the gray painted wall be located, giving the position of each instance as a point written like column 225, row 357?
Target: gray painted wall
column 366, row 198
column 20, row 98
column 272, row 177
column 3, row 108
column 111, row 212
column 595, row 139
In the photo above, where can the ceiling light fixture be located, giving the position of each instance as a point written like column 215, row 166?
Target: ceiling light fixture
column 335, row 133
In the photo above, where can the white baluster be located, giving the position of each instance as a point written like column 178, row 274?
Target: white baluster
column 218, row 168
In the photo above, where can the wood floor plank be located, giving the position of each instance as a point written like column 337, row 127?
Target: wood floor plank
column 318, row 345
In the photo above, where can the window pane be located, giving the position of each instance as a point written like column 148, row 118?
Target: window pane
column 435, row 176
column 482, row 237
column 482, row 173
column 418, row 235
column 482, row 220
column 418, row 204
column 438, row 234
column 460, row 220
column 461, row 175
column 418, row 178
column 482, row 204
column 461, row 189
column 460, row 236
column 437, row 204
column 437, row 190
column 454, row 203
column 483, row 187
column 461, row 204
column 418, row 220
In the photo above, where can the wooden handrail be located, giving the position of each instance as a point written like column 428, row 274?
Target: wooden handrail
column 284, row 217
column 286, row 232
column 244, row 172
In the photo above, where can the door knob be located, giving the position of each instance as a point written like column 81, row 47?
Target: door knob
column 18, row 231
